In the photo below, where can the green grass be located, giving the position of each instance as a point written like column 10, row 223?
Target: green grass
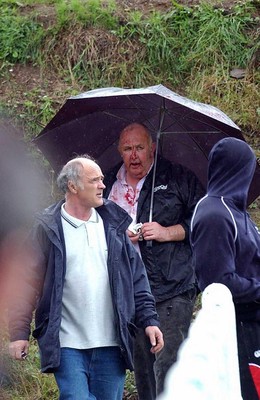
column 20, row 37
column 190, row 50
column 90, row 13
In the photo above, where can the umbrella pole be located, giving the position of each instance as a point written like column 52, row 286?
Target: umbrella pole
column 153, row 180
column 149, row 242
column 155, row 161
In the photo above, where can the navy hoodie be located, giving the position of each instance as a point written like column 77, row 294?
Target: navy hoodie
column 225, row 241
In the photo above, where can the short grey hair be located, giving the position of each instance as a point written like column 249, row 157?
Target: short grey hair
column 72, row 171
column 134, row 125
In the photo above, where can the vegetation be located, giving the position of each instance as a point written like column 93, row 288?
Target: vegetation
column 50, row 50
column 87, row 44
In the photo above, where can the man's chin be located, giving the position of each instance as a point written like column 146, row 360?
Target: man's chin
column 136, row 170
column 99, row 203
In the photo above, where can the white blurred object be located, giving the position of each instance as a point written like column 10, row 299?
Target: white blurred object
column 207, row 366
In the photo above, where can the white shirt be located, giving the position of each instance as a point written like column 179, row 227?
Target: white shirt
column 126, row 196
column 87, row 309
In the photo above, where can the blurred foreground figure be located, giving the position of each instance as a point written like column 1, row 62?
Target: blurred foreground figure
column 89, row 288
column 207, row 366
column 226, row 249
column 21, row 179
column 23, row 192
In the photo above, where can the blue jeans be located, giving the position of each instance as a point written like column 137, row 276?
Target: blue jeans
column 175, row 316
column 91, row 374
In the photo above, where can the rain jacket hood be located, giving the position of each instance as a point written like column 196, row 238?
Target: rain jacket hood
column 232, row 165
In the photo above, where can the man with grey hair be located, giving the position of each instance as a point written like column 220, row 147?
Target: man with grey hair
column 89, row 288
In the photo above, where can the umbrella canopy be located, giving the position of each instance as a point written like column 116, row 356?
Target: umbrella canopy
column 185, row 130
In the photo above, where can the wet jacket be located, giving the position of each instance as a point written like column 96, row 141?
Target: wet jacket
column 225, row 241
column 176, row 192
column 43, row 279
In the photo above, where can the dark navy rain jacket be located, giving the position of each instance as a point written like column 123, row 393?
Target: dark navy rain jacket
column 41, row 279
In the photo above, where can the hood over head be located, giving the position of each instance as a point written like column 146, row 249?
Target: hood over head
column 232, row 164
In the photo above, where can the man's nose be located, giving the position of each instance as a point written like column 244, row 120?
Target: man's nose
column 133, row 154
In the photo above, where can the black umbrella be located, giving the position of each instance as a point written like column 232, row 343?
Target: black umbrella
column 185, row 130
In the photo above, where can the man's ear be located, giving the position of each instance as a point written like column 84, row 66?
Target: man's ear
column 72, row 187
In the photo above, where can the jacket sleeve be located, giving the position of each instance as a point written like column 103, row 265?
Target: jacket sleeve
column 191, row 191
column 145, row 311
column 26, row 284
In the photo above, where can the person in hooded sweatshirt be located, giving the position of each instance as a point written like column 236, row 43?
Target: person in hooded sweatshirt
column 226, row 249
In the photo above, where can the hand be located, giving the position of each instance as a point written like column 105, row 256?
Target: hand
column 19, row 349
column 134, row 238
column 154, row 231
column 156, row 338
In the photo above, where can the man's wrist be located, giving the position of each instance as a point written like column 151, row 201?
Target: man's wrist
column 175, row 233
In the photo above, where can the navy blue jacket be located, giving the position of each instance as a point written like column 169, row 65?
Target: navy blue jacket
column 176, row 192
column 42, row 282
column 225, row 241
